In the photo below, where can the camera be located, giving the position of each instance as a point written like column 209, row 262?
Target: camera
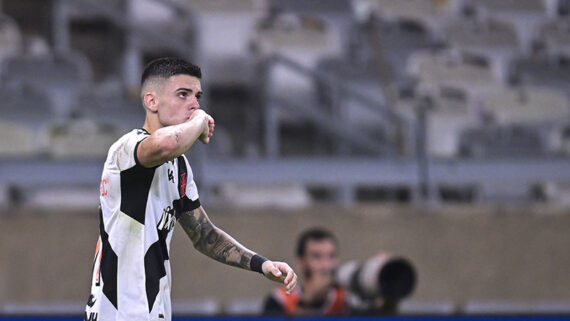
column 385, row 276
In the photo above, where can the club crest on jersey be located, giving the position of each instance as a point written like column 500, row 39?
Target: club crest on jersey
column 167, row 220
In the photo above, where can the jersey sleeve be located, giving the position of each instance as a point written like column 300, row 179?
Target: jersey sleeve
column 125, row 151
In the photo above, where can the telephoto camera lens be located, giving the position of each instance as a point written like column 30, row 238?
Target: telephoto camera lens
column 384, row 275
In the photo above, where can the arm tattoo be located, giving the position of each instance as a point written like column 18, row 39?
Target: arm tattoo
column 214, row 242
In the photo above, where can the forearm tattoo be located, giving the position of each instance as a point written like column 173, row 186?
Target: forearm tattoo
column 214, row 242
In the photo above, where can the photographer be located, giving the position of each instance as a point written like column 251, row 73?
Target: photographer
column 317, row 262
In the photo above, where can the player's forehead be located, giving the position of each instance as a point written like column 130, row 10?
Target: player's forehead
column 323, row 246
column 176, row 82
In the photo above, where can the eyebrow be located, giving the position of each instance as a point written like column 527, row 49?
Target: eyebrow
column 188, row 89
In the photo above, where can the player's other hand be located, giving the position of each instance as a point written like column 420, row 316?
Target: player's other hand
column 280, row 272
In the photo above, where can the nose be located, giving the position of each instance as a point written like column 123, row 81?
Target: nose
column 330, row 264
column 194, row 104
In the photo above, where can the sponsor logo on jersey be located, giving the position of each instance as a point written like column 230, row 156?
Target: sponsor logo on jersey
column 92, row 316
column 168, row 220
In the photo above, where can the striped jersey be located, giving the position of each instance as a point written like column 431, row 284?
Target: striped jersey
column 139, row 208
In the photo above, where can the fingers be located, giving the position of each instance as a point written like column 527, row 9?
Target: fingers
column 211, row 126
column 209, row 130
column 289, row 277
column 290, row 280
column 275, row 271
column 282, row 273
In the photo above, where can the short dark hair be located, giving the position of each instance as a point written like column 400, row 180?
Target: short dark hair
column 168, row 67
column 315, row 233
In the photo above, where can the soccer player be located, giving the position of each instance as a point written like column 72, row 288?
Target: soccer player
column 146, row 187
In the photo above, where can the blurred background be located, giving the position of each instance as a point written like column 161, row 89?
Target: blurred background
column 439, row 130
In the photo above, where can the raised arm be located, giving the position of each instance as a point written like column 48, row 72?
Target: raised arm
column 217, row 244
column 169, row 142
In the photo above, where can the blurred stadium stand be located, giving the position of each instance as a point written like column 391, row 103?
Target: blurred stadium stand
column 418, row 83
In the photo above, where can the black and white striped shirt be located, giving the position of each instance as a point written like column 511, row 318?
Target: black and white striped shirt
column 139, row 208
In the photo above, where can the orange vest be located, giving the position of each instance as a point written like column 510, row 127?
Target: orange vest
column 334, row 304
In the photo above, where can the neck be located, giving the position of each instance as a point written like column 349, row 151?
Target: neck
column 151, row 123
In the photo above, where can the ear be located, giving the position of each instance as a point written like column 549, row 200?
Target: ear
column 151, row 101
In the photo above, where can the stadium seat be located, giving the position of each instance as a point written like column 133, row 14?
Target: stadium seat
column 152, row 12
column 61, row 77
column 443, row 133
column 314, row 6
column 543, row 73
column 555, row 35
column 450, row 114
column 163, row 19
column 24, row 115
column 224, row 34
column 502, row 141
column 18, row 141
column 111, row 108
column 219, row 6
column 78, row 10
column 81, row 139
column 523, row 15
column 449, row 111
column 304, row 42
column 337, row 13
column 398, row 41
column 526, row 105
column 436, row 71
column 363, row 80
column 494, row 40
column 10, row 38
column 25, row 106
column 302, row 38
column 431, row 14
